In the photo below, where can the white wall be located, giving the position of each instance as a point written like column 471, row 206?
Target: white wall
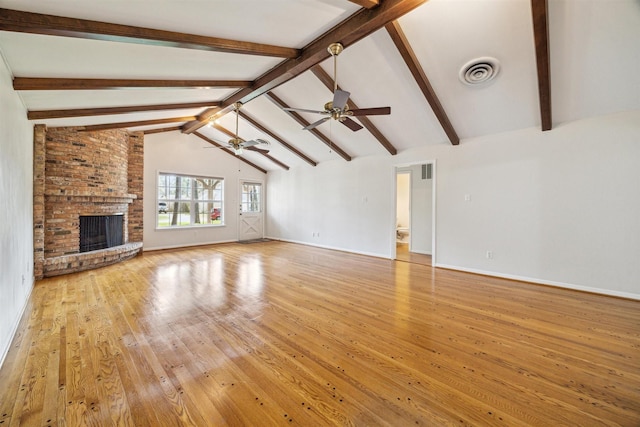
column 421, row 212
column 558, row 207
column 175, row 152
column 403, row 199
column 16, row 194
column 348, row 206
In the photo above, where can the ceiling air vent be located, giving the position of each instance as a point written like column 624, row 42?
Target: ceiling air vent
column 479, row 70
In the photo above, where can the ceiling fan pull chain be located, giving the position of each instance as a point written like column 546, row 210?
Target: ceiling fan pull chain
column 330, row 136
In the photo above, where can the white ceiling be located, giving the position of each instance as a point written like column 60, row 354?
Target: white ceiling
column 594, row 57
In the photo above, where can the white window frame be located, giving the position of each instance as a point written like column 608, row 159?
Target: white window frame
column 190, row 200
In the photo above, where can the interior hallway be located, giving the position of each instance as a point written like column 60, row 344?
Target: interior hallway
column 403, row 254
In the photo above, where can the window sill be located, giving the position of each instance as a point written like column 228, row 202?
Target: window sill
column 190, row 227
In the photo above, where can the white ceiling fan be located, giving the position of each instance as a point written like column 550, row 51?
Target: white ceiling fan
column 237, row 144
column 338, row 108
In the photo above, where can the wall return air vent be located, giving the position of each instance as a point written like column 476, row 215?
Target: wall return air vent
column 479, row 71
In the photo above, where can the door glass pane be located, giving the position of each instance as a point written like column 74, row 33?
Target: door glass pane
column 251, row 197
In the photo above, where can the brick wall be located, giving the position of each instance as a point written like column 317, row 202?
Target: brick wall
column 135, row 181
column 39, row 134
column 86, row 163
column 83, row 173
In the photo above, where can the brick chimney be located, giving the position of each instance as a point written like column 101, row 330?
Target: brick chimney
column 84, row 173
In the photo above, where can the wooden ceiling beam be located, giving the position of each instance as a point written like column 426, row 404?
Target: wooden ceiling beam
column 367, row 4
column 356, row 27
column 539, row 13
column 37, row 23
column 38, row 83
column 161, row 130
column 207, row 116
column 403, row 46
column 298, row 118
column 348, row 32
column 232, row 135
column 328, row 81
column 82, row 112
column 282, row 142
column 228, row 151
column 126, row 125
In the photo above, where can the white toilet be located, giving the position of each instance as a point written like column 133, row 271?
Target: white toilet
column 402, row 233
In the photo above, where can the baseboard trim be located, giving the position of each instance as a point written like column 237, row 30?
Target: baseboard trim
column 14, row 330
column 191, row 245
column 599, row 291
column 421, row 252
column 333, row 248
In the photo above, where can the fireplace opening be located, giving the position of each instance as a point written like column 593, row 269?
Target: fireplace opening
column 100, row 232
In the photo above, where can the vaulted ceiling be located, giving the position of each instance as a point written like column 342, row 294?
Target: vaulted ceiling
column 171, row 66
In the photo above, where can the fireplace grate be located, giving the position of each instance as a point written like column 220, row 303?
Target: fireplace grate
column 100, row 232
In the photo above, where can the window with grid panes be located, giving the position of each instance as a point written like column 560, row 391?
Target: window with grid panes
column 251, row 197
column 189, row 201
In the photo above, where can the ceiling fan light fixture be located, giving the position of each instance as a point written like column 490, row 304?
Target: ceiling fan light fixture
column 479, row 71
column 236, row 144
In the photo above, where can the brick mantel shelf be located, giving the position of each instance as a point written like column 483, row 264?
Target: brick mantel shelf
column 127, row 198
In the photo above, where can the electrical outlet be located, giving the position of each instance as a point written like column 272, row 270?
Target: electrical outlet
column 489, row 255
column 467, row 197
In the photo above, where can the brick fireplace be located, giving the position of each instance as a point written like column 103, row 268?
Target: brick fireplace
column 79, row 173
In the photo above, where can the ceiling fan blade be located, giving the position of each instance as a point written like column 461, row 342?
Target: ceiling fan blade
column 246, row 144
column 259, row 150
column 340, row 98
column 380, row 111
column 222, row 144
column 254, row 142
column 304, row 110
column 316, row 124
column 351, row 124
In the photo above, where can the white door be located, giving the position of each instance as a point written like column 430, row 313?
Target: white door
column 251, row 211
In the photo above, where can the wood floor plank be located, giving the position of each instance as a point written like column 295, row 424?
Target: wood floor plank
column 162, row 396
column 282, row 334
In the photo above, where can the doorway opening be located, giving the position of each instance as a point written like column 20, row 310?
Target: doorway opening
column 414, row 226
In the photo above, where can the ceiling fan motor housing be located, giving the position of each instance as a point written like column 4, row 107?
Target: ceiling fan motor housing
column 335, row 49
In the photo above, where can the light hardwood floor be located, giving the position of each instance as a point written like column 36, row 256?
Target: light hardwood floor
column 403, row 254
column 282, row 334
